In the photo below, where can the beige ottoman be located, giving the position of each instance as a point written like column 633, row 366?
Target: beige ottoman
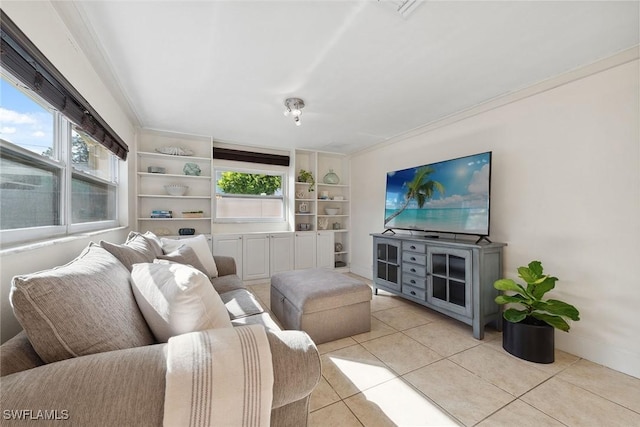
column 325, row 304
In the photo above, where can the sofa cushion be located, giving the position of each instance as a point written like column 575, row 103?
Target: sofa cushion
column 200, row 245
column 136, row 249
column 17, row 354
column 83, row 307
column 117, row 388
column 185, row 255
column 176, row 299
column 241, row 303
column 227, row 283
column 263, row 319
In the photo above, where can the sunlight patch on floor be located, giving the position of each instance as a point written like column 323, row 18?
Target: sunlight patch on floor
column 394, row 400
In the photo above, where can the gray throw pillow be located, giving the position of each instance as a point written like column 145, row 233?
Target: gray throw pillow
column 84, row 307
column 136, row 249
column 154, row 241
column 185, row 255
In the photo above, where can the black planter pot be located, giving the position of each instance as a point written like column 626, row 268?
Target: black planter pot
column 534, row 343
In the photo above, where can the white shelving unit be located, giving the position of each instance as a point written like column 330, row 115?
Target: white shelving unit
column 151, row 194
column 331, row 230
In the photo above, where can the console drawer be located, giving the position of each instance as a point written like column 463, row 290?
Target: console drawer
column 414, row 292
column 414, row 269
column 414, row 247
column 414, row 258
column 415, row 281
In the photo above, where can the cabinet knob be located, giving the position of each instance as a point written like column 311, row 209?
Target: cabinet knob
column 413, row 258
column 413, row 292
column 412, row 281
column 413, row 270
column 413, row 247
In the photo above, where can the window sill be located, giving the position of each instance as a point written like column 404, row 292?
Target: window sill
column 29, row 246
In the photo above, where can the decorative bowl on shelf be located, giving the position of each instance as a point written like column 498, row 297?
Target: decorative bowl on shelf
column 175, row 151
column 176, row 189
column 331, row 211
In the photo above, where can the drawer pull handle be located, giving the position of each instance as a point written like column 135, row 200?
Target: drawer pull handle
column 413, row 258
column 413, row 247
column 413, row 292
column 412, row 281
column 413, row 270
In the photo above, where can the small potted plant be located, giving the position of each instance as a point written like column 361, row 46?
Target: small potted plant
column 528, row 332
column 306, row 176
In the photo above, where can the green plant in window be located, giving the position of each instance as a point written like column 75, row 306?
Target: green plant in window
column 249, row 183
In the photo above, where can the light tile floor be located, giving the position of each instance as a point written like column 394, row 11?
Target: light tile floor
column 417, row 367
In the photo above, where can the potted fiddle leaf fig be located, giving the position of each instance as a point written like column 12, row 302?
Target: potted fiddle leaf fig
column 528, row 332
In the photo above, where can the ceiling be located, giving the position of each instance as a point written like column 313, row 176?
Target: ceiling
column 365, row 72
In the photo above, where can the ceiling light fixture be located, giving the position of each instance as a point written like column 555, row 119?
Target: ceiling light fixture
column 294, row 108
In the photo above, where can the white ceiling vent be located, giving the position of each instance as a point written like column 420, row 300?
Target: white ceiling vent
column 403, row 7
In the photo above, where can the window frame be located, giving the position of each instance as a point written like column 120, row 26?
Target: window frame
column 279, row 171
column 62, row 161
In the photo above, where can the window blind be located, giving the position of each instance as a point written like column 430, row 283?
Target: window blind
column 26, row 63
column 250, row 157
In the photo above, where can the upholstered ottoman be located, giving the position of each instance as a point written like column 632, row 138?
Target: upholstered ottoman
column 325, row 304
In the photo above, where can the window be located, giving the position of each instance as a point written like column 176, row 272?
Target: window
column 39, row 195
column 249, row 195
column 93, row 187
column 30, row 191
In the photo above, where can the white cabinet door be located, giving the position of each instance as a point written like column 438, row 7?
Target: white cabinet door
column 255, row 256
column 280, row 252
column 325, row 251
column 229, row 245
column 305, row 250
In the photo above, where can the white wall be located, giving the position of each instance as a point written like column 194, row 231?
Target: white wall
column 40, row 22
column 565, row 190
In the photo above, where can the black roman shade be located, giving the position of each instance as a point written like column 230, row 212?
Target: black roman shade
column 250, row 157
column 25, row 62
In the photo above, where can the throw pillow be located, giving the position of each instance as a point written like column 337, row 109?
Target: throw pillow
column 83, row 307
column 135, row 250
column 154, row 241
column 201, row 247
column 185, row 255
column 176, row 299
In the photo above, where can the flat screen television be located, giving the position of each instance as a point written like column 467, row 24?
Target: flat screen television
column 452, row 196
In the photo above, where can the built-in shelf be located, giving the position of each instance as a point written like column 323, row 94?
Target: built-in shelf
column 186, row 159
column 316, row 220
column 162, row 196
column 150, row 187
column 174, row 219
column 171, row 175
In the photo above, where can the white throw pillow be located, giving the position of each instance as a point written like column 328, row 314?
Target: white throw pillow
column 176, row 298
column 201, row 247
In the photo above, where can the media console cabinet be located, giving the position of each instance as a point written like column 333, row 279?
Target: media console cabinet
column 453, row 277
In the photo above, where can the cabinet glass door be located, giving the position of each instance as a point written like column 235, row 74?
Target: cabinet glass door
column 387, row 267
column 449, row 284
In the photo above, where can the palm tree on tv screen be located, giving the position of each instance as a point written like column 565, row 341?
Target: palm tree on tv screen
column 420, row 189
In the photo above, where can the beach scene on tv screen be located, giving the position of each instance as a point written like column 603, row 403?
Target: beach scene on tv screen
column 449, row 197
